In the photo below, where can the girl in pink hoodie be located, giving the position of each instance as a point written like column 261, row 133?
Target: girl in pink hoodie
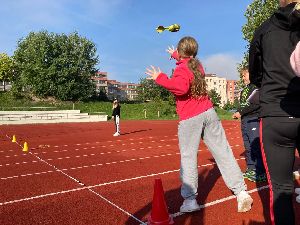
column 295, row 60
column 198, row 119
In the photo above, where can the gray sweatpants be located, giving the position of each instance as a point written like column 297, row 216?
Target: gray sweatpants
column 208, row 126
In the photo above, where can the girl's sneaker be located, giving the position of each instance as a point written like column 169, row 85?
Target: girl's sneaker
column 116, row 134
column 189, row 205
column 298, row 199
column 244, row 201
column 297, row 191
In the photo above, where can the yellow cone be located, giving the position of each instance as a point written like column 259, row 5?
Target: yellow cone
column 14, row 139
column 25, row 148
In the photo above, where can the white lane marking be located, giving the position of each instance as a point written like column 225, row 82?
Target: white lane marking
column 218, row 201
column 118, row 207
column 97, row 185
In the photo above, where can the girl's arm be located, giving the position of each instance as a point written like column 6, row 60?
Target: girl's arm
column 178, row 84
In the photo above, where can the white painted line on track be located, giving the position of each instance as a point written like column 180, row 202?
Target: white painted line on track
column 222, row 200
column 74, row 179
column 100, row 185
column 116, row 206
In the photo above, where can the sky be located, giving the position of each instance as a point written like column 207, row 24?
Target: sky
column 124, row 31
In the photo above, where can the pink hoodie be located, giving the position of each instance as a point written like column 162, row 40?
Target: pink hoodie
column 295, row 60
column 179, row 84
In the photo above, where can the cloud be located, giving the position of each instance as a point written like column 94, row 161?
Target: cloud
column 223, row 65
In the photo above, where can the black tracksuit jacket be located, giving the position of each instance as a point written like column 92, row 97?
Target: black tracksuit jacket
column 269, row 64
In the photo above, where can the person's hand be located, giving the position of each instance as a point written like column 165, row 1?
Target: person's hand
column 153, row 73
column 171, row 49
column 112, row 117
column 236, row 115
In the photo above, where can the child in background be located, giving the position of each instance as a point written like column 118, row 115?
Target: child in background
column 116, row 116
column 248, row 112
column 198, row 119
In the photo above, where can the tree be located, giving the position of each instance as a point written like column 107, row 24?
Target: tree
column 215, row 97
column 257, row 12
column 56, row 65
column 232, row 105
column 149, row 90
column 6, row 68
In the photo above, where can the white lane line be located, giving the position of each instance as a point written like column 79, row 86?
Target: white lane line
column 118, row 207
column 218, row 201
column 94, row 165
column 18, row 163
column 97, row 185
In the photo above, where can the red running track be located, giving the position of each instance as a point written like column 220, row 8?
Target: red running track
column 44, row 186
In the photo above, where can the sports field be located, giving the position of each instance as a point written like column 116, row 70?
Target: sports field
column 80, row 174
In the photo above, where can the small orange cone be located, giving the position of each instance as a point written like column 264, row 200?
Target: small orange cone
column 159, row 214
column 25, row 148
column 14, row 139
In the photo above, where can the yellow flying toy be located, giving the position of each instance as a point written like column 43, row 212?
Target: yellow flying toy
column 172, row 28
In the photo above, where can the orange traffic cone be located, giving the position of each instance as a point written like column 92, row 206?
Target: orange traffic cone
column 159, row 214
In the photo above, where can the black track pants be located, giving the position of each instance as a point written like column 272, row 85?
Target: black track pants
column 279, row 137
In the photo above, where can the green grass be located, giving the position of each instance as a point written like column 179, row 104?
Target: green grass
column 129, row 111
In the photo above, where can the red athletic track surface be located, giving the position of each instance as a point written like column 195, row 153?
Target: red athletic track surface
column 118, row 173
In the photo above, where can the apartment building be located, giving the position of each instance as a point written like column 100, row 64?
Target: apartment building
column 231, row 90
column 100, row 80
column 115, row 89
column 219, row 84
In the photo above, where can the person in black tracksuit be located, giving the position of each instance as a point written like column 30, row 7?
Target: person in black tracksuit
column 270, row 69
column 248, row 112
column 116, row 116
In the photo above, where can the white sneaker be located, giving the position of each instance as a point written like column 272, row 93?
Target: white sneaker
column 297, row 191
column 189, row 205
column 298, row 199
column 244, row 201
column 116, row 134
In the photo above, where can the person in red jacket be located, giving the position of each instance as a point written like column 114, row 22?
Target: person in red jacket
column 198, row 119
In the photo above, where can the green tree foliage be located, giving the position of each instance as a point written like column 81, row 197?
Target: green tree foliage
column 56, row 65
column 232, row 105
column 6, row 68
column 149, row 90
column 257, row 12
column 215, row 97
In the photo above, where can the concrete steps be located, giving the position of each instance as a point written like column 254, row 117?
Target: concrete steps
column 56, row 116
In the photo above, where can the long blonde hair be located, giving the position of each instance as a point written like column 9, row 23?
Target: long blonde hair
column 188, row 48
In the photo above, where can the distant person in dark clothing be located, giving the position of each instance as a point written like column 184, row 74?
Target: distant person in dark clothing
column 271, row 71
column 116, row 116
column 248, row 112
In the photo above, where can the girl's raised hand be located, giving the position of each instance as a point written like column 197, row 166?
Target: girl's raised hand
column 153, row 72
column 171, row 49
